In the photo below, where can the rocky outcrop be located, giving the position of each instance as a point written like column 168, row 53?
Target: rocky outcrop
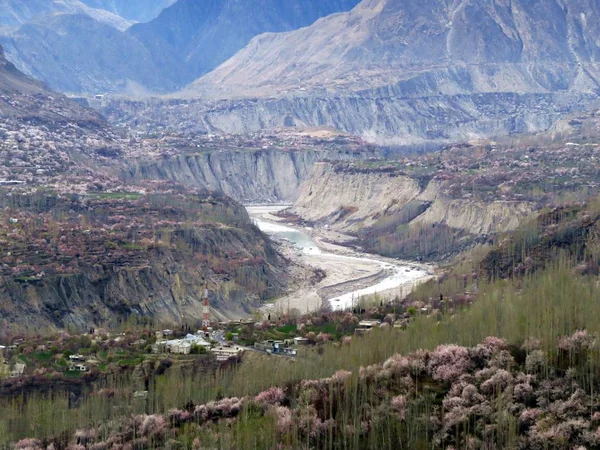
column 263, row 176
column 167, row 289
column 483, row 46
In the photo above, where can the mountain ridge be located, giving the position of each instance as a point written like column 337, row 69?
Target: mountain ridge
column 384, row 42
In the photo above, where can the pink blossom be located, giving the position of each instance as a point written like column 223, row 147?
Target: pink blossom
column 399, row 406
column 495, row 344
column 29, row 444
column 99, row 446
column 226, row 407
column 283, row 415
column 522, row 392
column 580, row 340
column 529, row 416
column 341, row 376
column 497, row 382
column 531, row 344
column 177, row 416
column 85, row 435
column 153, row 426
column 398, row 365
column 272, row 396
column 449, row 362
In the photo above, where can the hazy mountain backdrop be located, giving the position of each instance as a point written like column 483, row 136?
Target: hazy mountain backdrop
column 76, row 48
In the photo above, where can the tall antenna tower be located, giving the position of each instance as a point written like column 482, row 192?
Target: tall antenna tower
column 206, row 309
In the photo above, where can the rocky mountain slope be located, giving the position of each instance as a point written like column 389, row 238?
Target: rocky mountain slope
column 455, row 46
column 49, row 140
column 79, row 246
column 27, row 99
column 407, row 71
column 401, row 215
column 81, row 51
column 135, row 10
column 197, row 36
column 75, row 53
column 83, row 261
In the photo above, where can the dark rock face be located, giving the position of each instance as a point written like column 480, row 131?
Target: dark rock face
column 246, row 176
column 115, row 266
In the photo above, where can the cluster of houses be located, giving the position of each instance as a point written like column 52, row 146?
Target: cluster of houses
column 284, row 348
column 185, row 345
column 226, row 351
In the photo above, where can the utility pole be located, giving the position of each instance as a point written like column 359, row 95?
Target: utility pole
column 206, row 310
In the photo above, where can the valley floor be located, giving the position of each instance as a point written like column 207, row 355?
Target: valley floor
column 327, row 273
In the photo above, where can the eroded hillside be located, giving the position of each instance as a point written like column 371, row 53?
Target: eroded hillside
column 430, row 206
column 76, row 262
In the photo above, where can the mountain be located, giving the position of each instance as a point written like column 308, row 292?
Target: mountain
column 406, row 71
column 14, row 13
column 466, row 46
column 197, row 36
column 75, row 53
column 59, row 195
column 79, row 52
column 134, row 10
column 24, row 98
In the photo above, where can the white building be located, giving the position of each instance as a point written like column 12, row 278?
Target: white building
column 180, row 346
column 223, row 352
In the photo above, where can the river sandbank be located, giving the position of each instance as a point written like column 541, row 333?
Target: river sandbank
column 349, row 275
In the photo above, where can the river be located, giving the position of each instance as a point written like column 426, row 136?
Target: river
column 399, row 276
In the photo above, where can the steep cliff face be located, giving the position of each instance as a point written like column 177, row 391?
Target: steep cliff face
column 81, row 262
column 248, row 176
column 406, row 114
column 407, row 216
column 350, row 201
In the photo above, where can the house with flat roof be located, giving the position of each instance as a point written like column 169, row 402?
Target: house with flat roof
column 224, row 352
